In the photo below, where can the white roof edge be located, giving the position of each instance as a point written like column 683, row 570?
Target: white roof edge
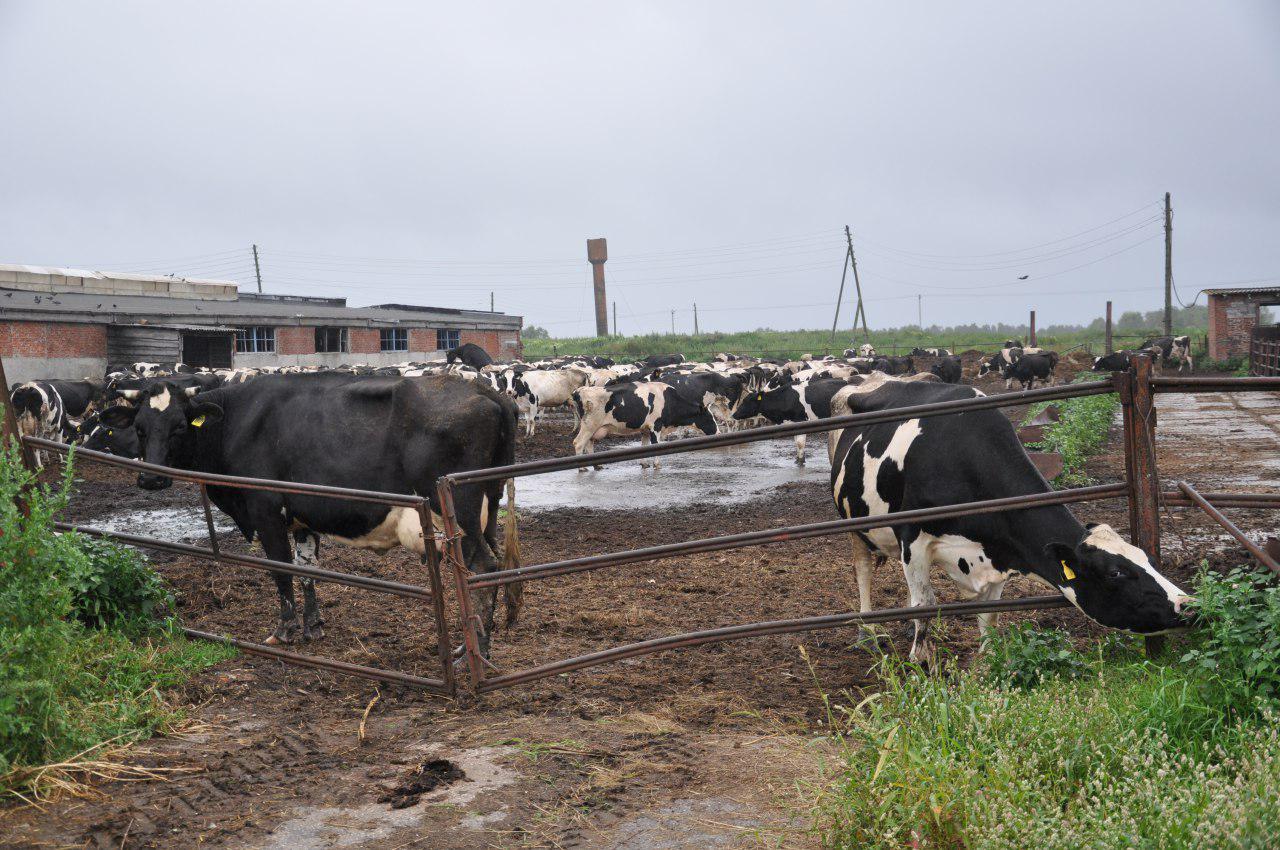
column 99, row 275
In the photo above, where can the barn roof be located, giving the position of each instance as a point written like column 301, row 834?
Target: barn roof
column 1242, row 290
column 21, row 304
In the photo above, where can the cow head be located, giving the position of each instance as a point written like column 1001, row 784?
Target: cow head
column 777, row 401
column 165, row 421
column 100, row 432
column 1114, row 583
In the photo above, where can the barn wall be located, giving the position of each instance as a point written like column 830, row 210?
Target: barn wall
column 36, row 350
column 143, row 343
column 1232, row 319
column 501, row 345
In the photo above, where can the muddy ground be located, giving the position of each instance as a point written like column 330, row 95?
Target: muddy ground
column 714, row 746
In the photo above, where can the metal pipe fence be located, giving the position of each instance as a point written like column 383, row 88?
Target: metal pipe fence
column 1136, row 389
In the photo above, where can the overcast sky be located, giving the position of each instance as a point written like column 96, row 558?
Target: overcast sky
column 432, row 153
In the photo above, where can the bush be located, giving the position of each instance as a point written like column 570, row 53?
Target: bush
column 83, row 658
column 1083, row 429
column 1103, row 750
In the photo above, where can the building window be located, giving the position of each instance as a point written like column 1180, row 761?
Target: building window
column 331, row 340
column 448, row 338
column 256, row 341
column 394, row 339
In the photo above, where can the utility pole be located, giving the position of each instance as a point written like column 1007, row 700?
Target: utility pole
column 257, row 269
column 844, row 272
column 1032, row 336
column 1109, row 336
column 615, row 318
column 673, row 322
column 919, row 311
column 597, row 253
column 695, row 318
column 1168, row 266
column 857, row 284
column 491, row 310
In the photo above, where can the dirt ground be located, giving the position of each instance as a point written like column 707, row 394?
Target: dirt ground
column 714, row 746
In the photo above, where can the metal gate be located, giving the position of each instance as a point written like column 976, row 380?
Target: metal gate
column 1264, row 351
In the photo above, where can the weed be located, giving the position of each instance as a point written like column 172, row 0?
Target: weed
column 1082, row 430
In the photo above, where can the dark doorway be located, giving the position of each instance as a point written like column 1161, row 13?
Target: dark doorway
column 212, row 350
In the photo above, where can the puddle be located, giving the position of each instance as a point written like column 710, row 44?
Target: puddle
column 714, row 476
column 706, row 822
column 173, row 525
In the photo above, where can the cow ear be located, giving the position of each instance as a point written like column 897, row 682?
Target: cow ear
column 120, row 416
column 203, row 413
column 1067, row 563
column 1090, row 526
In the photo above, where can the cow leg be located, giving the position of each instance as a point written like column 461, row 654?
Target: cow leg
column 800, row 444
column 915, row 566
column 275, row 543
column 306, row 552
column 654, row 439
column 531, row 424
column 987, row 622
column 862, row 564
column 481, row 560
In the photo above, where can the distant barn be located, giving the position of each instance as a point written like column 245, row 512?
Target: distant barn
column 69, row 323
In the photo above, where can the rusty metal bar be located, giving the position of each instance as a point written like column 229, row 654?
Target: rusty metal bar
column 469, row 622
column 1258, row 501
column 790, row 429
column 208, row 521
column 1173, row 384
column 395, row 588
column 405, row 500
column 1254, row 549
column 773, row 627
column 431, row 557
column 378, row 674
column 796, row 532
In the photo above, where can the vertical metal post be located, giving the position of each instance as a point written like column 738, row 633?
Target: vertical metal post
column 466, row 609
column 208, row 522
column 1031, row 337
column 9, row 425
column 1109, row 348
column 1140, row 466
column 431, row 557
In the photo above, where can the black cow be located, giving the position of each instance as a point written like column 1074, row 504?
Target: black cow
column 1117, row 361
column 394, row 435
column 1032, row 367
column 654, row 361
column 643, row 407
column 946, row 460
column 788, row 400
column 470, row 354
column 92, row 434
column 949, row 369
column 717, row 392
column 1176, row 348
column 893, row 365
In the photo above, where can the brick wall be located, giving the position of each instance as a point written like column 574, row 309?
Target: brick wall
column 1232, row 319
column 295, row 340
column 364, row 341
column 50, row 339
column 422, row 339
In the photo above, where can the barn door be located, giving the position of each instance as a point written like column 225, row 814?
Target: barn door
column 212, row 351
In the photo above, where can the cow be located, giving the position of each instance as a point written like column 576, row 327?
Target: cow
column 389, row 434
column 536, row 389
column 949, row 369
column 789, row 400
column 974, row 456
column 1175, row 348
column 654, row 361
column 930, row 352
column 470, row 354
column 47, row 409
column 1116, row 361
column 894, row 365
column 717, row 392
column 643, row 407
column 1030, row 367
column 864, row 350
column 92, row 434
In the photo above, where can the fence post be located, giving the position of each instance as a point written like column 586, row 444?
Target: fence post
column 1110, row 343
column 470, row 622
column 1138, row 407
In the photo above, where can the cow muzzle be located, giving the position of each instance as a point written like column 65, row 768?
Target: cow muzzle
column 151, row 481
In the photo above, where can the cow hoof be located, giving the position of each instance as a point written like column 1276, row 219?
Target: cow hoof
column 311, row 633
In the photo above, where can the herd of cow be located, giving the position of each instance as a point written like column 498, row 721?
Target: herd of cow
column 397, row 429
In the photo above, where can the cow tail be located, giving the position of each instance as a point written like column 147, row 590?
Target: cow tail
column 513, row 593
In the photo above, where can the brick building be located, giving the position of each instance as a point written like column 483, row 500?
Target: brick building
column 67, row 323
column 1234, row 314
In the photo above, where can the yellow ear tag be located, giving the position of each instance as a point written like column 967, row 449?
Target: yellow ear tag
column 1067, row 571
column 198, row 421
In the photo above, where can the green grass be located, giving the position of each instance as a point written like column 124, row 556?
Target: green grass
column 1082, row 430
column 791, row 344
column 1103, row 749
column 86, row 651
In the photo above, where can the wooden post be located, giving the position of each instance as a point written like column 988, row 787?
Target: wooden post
column 1109, row 338
column 1138, row 407
column 9, row 425
column 1031, row 338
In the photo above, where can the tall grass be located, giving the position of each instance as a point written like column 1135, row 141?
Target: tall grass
column 1106, row 750
column 791, row 344
column 86, row 656
column 1082, row 430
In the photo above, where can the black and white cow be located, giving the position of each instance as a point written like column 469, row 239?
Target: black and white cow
column 946, row 460
column 1032, row 367
column 643, row 407
column 717, row 392
column 786, row 399
column 48, row 409
column 536, row 389
column 654, row 361
column 894, row 365
column 470, row 354
column 930, row 352
column 949, row 369
column 1116, row 361
column 1171, row 348
column 96, row 436
column 389, row 434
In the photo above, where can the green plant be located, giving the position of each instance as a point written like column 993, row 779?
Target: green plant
column 1237, row 645
column 1082, row 429
column 1023, row 656
column 112, row 584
